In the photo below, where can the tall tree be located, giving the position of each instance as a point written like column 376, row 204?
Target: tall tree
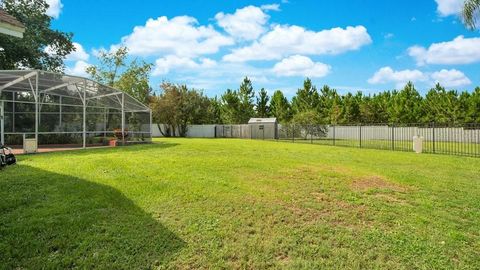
column 441, row 106
column 306, row 98
column 335, row 111
column 473, row 113
column 177, row 106
column 230, row 107
column 463, row 108
column 380, row 104
column 471, row 12
column 246, row 95
column 41, row 47
column 405, row 106
column 215, row 111
column 116, row 71
column 263, row 110
column 328, row 108
column 351, row 108
column 367, row 110
column 280, row 108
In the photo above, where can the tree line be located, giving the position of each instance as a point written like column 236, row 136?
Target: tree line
column 178, row 106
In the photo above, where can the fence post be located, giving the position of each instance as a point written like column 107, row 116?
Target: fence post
column 393, row 137
column 433, row 136
column 293, row 133
column 334, row 134
column 277, row 132
column 311, row 136
column 360, row 134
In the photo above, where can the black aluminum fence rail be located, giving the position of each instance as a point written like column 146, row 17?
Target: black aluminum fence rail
column 462, row 140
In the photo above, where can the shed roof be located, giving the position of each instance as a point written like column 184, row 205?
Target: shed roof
column 262, row 120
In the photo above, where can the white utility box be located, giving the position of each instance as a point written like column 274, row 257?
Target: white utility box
column 418, row 144
column 30, row 146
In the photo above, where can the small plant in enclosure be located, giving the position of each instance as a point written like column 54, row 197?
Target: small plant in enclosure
column 59, row 138
column 98, row 140
column 134, row 122
column 13, row 139
column 118, row 133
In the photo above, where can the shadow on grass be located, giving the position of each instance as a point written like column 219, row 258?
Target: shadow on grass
column 55, row 221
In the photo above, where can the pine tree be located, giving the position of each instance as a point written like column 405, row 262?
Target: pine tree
column 262, row 107
column 406, row 105
column 246, row 95
column 306, row 99
column 279, row 107
column 230, row 107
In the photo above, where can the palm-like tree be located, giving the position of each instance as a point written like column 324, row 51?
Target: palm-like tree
column 470, row 12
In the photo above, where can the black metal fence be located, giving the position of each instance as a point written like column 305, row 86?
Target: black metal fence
column 463, row 140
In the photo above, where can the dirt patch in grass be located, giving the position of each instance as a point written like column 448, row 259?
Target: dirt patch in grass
column 307, row 173
column 391, row 199
column 316, row 169
column 322, row 208
column 375, row 182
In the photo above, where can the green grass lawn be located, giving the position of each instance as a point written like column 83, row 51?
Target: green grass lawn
column 231, row 203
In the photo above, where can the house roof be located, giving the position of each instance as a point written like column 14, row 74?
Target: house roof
column 9, row 19
column 9, row 25
column 262, row 120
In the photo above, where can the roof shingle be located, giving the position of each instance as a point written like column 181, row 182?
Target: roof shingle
column 9, row 19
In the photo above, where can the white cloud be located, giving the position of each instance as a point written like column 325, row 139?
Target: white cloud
column 181, row 36
column 458, row 51
column 388, row 35
column 447, row 78
column 274, row 7
column 221, row 75
column 78, row 54
column 247, row 23
column 172, row 62
column 387, row 75
column 298, row 65
column 283, row 41
column 55, row 8
column 450, row 78
column 449, row 7
column 78, row 69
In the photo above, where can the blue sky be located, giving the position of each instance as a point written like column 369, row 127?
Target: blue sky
column 350, row 45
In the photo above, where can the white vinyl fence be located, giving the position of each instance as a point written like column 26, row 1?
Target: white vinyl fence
column 339, row 132
column 266, row 131
column 403, row 133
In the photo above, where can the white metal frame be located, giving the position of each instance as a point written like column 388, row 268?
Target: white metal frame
column 58, row 85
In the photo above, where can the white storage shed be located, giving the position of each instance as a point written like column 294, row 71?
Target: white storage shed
column 263, row 128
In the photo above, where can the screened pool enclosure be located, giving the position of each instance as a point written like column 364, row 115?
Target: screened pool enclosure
column 62, row 110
